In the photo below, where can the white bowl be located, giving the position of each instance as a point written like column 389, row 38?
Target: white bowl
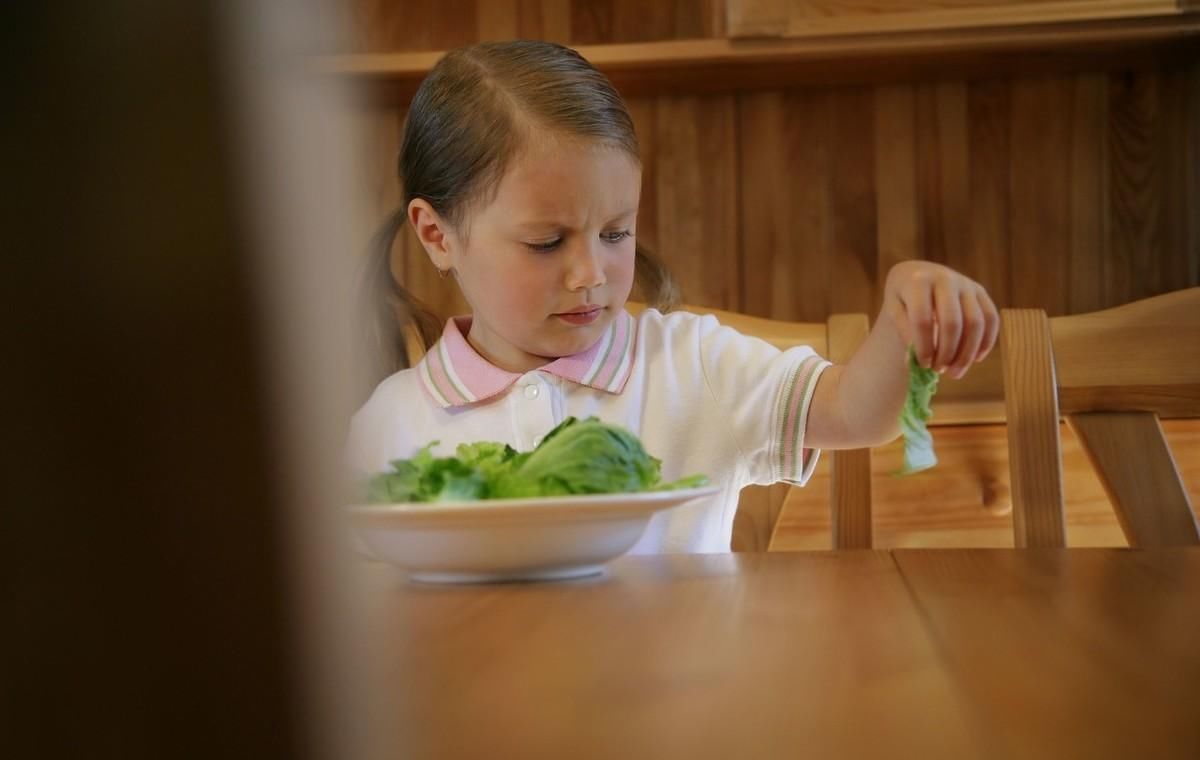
column 511, row 539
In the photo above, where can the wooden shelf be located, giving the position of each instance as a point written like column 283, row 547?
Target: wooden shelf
column 722, row 65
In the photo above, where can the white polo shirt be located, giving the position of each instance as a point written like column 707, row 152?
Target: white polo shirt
column 702, row 397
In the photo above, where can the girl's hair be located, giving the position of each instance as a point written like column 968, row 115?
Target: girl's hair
column 469, row 118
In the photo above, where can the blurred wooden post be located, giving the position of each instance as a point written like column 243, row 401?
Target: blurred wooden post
column 168, row 441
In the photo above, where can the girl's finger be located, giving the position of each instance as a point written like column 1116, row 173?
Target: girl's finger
column 899, row 317
column 918, row 311
column 949, row 323
column 972, row 334
column 991, row 331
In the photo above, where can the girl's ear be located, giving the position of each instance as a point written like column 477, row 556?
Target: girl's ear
column 433, row 232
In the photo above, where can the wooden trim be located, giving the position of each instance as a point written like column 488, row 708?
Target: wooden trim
column 763, row 18
column 724, row 65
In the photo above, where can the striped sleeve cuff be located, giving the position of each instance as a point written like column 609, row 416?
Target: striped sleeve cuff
column 792, row 461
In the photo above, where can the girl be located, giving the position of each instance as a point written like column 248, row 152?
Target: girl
column 521, row 179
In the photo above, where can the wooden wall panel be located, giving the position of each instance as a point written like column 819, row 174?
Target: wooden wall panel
column 897, row 227
column 943, row 179
column 989, row 140
column 1041, row 193
column 785, row 157
column 1135, row 176
column 599, row 21
column 697, row 220
column 852, row 252
column 419, row 25
column 381, row 25
column 528, row 19
column 1089, row 195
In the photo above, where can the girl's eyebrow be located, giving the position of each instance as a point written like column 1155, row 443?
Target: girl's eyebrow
column 544, row 223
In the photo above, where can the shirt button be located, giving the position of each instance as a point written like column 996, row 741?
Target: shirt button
column 531, row 391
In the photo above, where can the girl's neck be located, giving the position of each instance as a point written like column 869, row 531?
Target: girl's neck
column 510, row 361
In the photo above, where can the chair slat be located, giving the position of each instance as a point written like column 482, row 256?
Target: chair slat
column 850, row 496
column 1034, row 448
column 1131, row 456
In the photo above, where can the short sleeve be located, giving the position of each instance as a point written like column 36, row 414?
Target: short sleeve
column 764, row 394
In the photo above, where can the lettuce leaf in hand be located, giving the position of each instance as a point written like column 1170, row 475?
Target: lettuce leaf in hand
column 918, row 442
column 576, row 457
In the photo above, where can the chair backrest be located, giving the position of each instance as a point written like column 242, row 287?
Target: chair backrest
column 1112, row 373
column 850, row 471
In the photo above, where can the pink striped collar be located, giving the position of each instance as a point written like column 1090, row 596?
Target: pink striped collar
column 454, row 374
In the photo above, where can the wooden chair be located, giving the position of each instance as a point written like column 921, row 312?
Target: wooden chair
column 1113, row 374
column 850, row 491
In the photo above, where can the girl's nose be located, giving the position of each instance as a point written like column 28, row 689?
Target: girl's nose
column 586, row 268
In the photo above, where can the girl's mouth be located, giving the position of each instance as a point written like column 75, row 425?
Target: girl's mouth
column 581, row 317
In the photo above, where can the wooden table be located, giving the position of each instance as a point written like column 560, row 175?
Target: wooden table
column 912, row 653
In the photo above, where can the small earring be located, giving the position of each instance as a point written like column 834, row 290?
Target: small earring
column 443, row 272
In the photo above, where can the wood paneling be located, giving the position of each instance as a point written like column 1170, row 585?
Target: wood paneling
column 421, row 25
column 695, row 168
column 785, row 215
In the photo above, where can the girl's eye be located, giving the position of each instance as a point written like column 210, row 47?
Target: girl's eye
column 545, row 247
column 616, row 237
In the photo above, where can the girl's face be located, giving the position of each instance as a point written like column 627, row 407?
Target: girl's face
column 548, row 263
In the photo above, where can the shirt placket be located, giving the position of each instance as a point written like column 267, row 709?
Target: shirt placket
column 534, row 409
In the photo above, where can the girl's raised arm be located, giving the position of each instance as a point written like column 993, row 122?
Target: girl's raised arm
column 950, row 321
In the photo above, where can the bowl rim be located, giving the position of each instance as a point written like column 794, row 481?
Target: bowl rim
column 582, row 504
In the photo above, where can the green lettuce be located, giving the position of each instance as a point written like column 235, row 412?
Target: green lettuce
column 576, row 457
column 918, row 442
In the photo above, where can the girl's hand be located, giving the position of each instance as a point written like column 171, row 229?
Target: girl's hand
column 949, row 319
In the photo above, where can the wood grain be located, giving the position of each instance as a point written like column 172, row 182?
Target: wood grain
column 757, row 517
column 852, row 237
column 1034, row 653
column 1135, row 179
column 1130, row 453
column 1031, row 408
column 1139, row 356
column 1080, row 653
column 967, row 500
column 850, row 494
column 786, row 213
column 638, row 664
column 696, row 197
column 989, row 136
column 898, row 228
column 943, row 183
column 1089, row 195
column 715, row 65
column 1041, row 194
column 752, row 18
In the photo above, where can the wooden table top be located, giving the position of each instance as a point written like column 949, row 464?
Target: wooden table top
column 911, row 653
